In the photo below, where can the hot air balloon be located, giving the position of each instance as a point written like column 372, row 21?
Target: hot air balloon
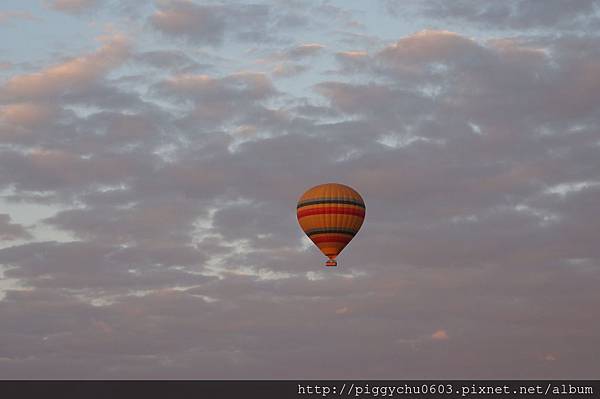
column 330, row 215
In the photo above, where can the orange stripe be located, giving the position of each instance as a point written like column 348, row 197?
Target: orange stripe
column 331, row 210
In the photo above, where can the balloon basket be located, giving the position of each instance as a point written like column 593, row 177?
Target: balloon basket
column 331, row 263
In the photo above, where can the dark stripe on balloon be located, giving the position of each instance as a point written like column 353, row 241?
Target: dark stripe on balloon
column 342, row 201
column 330, row 238
column 331, row 231
column 329, row 210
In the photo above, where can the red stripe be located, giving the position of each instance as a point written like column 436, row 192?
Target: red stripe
column 331, row 210
column 329, row 238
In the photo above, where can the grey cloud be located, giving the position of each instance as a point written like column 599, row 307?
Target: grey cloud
column 72, row 6
column 287, row 70
column 287, row 62
column 107, row 96
column 158, row 222
column 516, row 14
column 170, row 59
column 42, row 170
column 211, row 24
column 497, row 79
column 6, row 16
column 231, row 99
column 98, row 269
column 11, row 231
column 167, row 332
column 200, row 24
column 304, row 50
column 245, row 86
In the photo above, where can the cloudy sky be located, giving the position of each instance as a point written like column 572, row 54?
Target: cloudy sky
column 152, row 153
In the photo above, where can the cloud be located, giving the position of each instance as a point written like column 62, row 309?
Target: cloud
column 42, row 169
column 217, row 23
column 429, row 46
column 236, row 98
column 169, row 59
column 495, row 79
column 72, row 6
column 97, row 270
column 288, row 70
column 212, row 24
column 11, row 231
column 288, row 62
column 246, row 85
column 304, row 50
column 200, row 24
column 27, row 114
column 353, row 61
column 75, row 74
column 515, row 14
column 152, row 223
column 7, row 16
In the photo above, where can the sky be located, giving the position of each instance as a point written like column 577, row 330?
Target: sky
column 152, row 154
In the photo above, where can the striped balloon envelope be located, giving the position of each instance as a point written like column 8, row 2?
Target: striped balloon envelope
column 331, row 214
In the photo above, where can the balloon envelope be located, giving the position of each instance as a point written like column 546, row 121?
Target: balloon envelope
column 331, row 214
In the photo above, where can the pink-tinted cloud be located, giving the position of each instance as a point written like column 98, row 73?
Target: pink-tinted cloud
column 71, row 75
column 72, row 6
column 7, row 16
column 27, row 114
